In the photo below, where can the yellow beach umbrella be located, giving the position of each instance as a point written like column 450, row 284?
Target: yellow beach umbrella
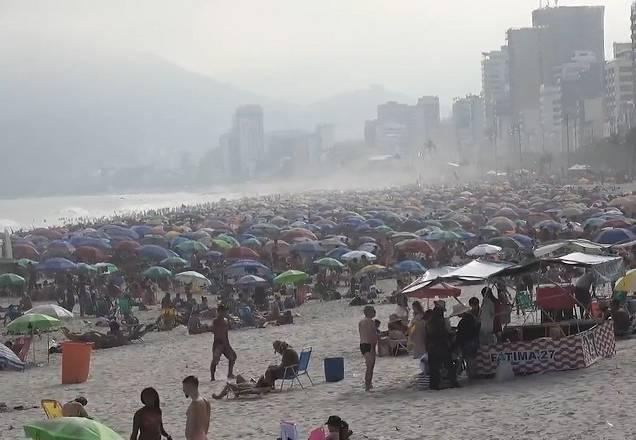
column 626, row 283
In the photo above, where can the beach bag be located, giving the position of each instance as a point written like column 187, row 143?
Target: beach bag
column 504, row 371
column 317, row 434
column 288, row 431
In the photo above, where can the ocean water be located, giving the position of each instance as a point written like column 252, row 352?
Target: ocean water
column 48, row 211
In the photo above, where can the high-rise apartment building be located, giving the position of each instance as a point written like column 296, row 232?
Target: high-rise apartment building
column 619, row 85
column 495, row 90
column 569, row 29
column 244, row 146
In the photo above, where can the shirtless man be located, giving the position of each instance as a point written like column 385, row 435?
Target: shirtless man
column 368, row 342
column 221, row 344
column 198, row 413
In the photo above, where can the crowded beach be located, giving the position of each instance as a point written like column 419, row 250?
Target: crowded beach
column 309, row 314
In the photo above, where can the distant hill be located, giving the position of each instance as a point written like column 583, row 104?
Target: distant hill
column 67, row 114
column 349, row 110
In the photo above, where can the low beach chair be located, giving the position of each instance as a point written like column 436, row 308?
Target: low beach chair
column 294, row 372
column 52, row 408
column 24, row 345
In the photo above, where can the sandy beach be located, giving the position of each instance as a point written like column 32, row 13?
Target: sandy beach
column 594, row 403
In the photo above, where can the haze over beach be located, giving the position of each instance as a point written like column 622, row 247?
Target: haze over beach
column 334, row 220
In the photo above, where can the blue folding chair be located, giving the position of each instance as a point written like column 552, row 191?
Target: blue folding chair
column 293, row 373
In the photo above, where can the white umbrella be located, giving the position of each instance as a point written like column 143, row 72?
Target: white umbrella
column 483, row 249
column 192, row 277
column 358, row 255
column 52, row 310
column 9, row 360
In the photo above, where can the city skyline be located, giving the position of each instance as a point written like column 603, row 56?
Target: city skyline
column 345, row 46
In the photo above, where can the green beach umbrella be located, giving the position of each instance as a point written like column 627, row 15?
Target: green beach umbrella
column 69, row 428
column 25, row 262
column 85, row 268
column 191, row 246
column 174, row 261
column 32, row 321
column 156, row 273
column 331, row 263
column 106, row 268
column 228, row 239
column 291, row 277
column 221, row 244
column 11, row 280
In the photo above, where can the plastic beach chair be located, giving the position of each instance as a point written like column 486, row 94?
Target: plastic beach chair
column 294, row 372
column 52, row 408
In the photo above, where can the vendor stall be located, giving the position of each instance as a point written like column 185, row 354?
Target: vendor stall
column 549, row 354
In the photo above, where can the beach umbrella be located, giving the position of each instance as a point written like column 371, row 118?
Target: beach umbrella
column 9, row 360
column 291, row 277
column 337, row 252
column 615, row 235
column 25, row 251
column 142, row 230
column 126, row 246
column 371, row 268
column 174, row 262
column 241, row 252
column 98, row 243
column 483, row 249
column 246, row 267
column 549, row 225
column 155, row 239
column 503, row 224
column 626, row 283
column 156, row 273
column 192, row 277
column 89, row 254
column 213, row 256
column 153, row 252
column 291, row 234
column 331, row 263
column 106, row 268
column 220, row 245
column 368, row 247
column 409, row 266
column 251, row 243
column 250, row 280
column 69, row 428
column 119, row 231
column 25, row 262
column 51, row 234
column 358, row 255
column 32, row 322
column 401, row 236
column 233, row 242
column 85, row 268
column 415, row 246
column 191, row 247
column 505, row 242
column 525, row 241
column 56, row 265
column 443, row 236
column 11, row 280
column 52, row 310
column 307, row 247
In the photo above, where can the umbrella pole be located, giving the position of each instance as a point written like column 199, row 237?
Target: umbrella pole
column 48, row 352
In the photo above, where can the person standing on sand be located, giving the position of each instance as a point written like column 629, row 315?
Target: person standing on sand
column 221, row 344
column 198, row 413
column 147, row 422
column 368, row 342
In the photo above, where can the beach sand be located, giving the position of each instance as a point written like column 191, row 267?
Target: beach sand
column 594, row 403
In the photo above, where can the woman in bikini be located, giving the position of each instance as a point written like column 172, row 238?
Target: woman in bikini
column 147, row 422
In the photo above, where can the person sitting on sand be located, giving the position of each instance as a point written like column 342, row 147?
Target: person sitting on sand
column 195, row 327
column 241, row 386
column 75, row 408
column 621, row 319
column 147, row 422
column 338, row 429
column 289, row 360
column 166, row 302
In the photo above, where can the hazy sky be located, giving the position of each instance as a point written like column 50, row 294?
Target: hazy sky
column 300, row 50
